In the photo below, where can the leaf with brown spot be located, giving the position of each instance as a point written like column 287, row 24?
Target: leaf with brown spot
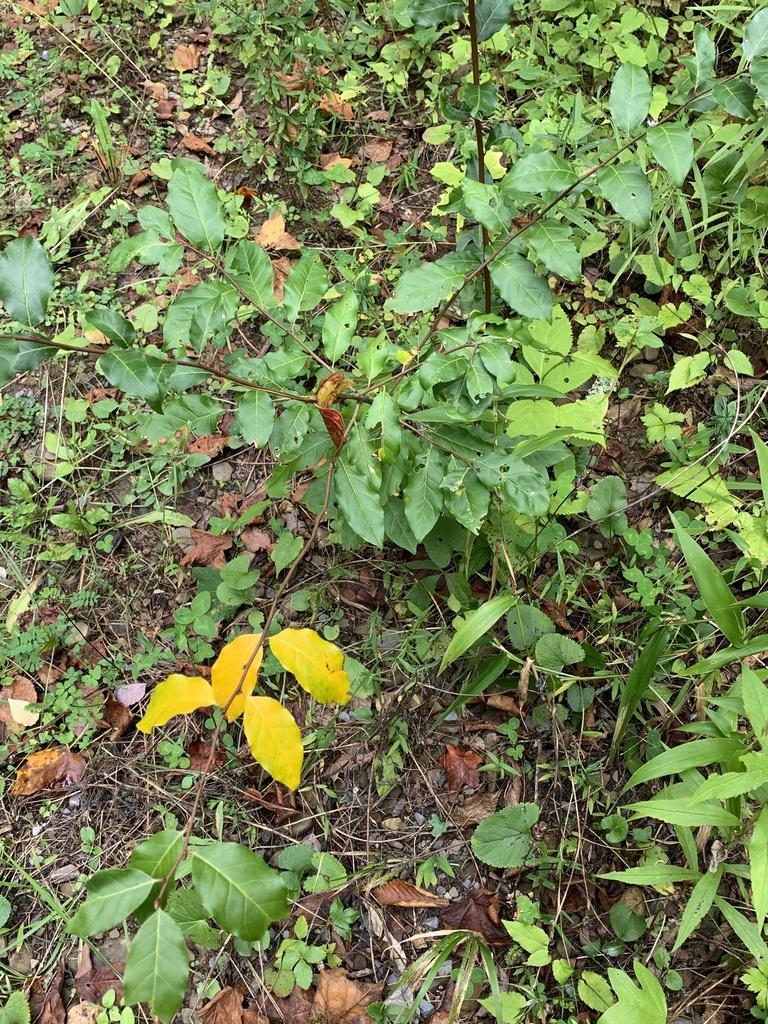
column 479, row 913
column 208, row 549
column 195, row 144
column 185, row 58
column 272, row 234
column 379, row 150
column 53, row 769
column 226, row 1007
column 341, row 1000
column 329, row 389
column 397, row 893
column 334, row 424
column 461, row 768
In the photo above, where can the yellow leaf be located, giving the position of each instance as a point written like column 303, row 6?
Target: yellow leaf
column 228, row 669
column 315, row 663
column 176, row 695
column 274, row 739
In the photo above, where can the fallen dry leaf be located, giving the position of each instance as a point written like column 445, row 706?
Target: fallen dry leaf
column 331, row 159
column 45, row 1005
column 52, row 769
column 91, row 983
column 340, row 1000
column 82, row 1013
column 397, row 893
column 474, row 810
column 479, row 913
column 281, row 268
column 461, row 768
column 208, row 549
column 226, row 1007
column 185, row 58
column 272, row 234
column 282, row 805
column 131, row 693
column 254, row 540
column 156, row 90
column 195, row 144
column 208, row 444
column 332, row 103
column 297, row 1008
column 117, row 716
column 13, row 704
column 165, row 110
column 199, row 752
column 379, row 150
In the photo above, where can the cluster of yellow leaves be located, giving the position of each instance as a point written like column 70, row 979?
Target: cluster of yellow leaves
column 271, row 730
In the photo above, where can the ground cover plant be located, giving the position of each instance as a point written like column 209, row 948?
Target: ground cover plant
column 415, row 349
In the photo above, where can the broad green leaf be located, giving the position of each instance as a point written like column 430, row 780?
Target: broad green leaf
column 486, row 205
column 194, row 205
column 705, row 56
column 743, row 928
column 176, row 695
column 698, row 904
column 758, row 74
column 434, row 13
column 554, row 651
column 430, row 284
column 305, row 285
column 422, row 493
column 112, row 896
column 595, row 991
column 727, row 656
column 688, row 370
column 730, row 784
column 229, row 670
column 356, row 485
column 21, row 356
column 626, row 188
column 157, row 855
column 721, row 603
column 515, row 280
column 754, row 695
column 134, row 372
column 26, row 280
column 207, row 309
column 491, row 16
column 674, row 812
column 15, row 1010
column 630, row 98
column 693, row 754
column 316, row 663
column 466, row 498
column 607, row 505
column 539, row 172
column 238, row 890
column 627, row 925
column 503, row 839
column 736, row 97
column 384, row 414
column 157, row 967
column 647, row 1003
column 475, row 625
column 339, row 325
column 255, row 417
column 551, row 242
column 653, row 874
column 112, row 325
column 533, row 939
column 147, row 249
column 274, row 739
column 761, row 450
column 755, row 42
column 525, row 488
column 672, row 147
column 187, row 910
column 198, row 414
column 286, row 551
column 251, row 270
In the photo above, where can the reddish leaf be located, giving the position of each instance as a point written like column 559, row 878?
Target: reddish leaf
column 185, row 58
column 479, row 913
column 329, row 389
column 461, row 768
column 195, row 144
column 45, row 1005
column 208, row 550
column 334, row 424
column 199, row 752
column 118, row 718
column 52, row 769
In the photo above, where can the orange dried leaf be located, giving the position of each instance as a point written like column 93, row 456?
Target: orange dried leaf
column 274, row 739
column 208, row 549
column 398, row 893
column 176, row 695
column 334, row 424
column 342, row 999
column 229, row 668
column 461, row 768
column 332, row 103
column 185, row 58
column 329, row 389
column 315, row 662
column 53, row 769
column 272, row 234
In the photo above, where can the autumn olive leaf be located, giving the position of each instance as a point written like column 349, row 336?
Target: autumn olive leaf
column 229, row 670
column 315, row 662
column 176, row 695
column 274, row 739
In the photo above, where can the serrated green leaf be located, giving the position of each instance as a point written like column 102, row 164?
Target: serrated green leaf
column 339, row 325
column 242, row 894
column 199, row 414
column 112, row 896
column 26, row 280
column 285, row 552
column 432, row 283
column 356, row 485
column 157, row 967
column 626, row 188
column 251, row 270
column 630, row 97
column 492, row 15
column 434, row 13
column 422, row 493
column 551, row 242
column 524, row 292
column 15, row 1010
column 503, row 839
column 255, row 417
column 672, row 147
column 486, row 205
column 194, row 205
column 305, row 285
column 554, row 651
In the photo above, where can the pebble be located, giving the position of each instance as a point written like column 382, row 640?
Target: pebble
column 222, row 472
column 426, row 1009
column 431, row 924
column 641, row 370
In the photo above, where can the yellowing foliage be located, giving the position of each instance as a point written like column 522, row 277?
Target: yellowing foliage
column 228, row 670
column 274, row 739
column 315, row 662
column 176, row 695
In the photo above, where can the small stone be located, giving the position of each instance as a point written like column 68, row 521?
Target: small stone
column 641, row 370
column 222, row 472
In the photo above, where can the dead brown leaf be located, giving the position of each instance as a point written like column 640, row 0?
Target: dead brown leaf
column 82, row 1013
column 195, row 144
column 13, row 704
column 329, row 389
column 185, row 58
column 479, row 913
column 397, row 893
column 331, row 159
column 297, row 1008
column 272, row 234
column 45, row 1005
column 226, row 1007
column 117, row 716
column 53, row 769
column 199, row 752
column 281, row 268
column 461, row 768
column 341, row 1000
column 504, row 703
column 475, row 809
column 209, row 444
column 91, row 982
column 156, row 90
column 281, row 803
column 165, row 109
column 208, row 550
column 255, row 540
column 379, row 150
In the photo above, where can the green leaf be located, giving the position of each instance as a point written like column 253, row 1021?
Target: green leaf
column 21, row 356
column 754, row 695
column 626, row 188
column 187, row 910
column 539, row 172
column 430, row 284
column 524, row 488
column 194, row 205
column 637, row 684
column 356, row 485
column 551, row 242
column 305, row 285
column 133, row 371
column 475, row 625
column 736, row 97
column 524, row 292
column 112, row 325
column 422, row 493
column 486, row 205
column 730, row 784
column 727, row 656
column 704, row 56
column 627, row 925
column 646, row 1004
column 466, row 498
column 755, row 42
column 653, row 874
column 285, row 551
column 698, row 904
column 672, row 148
column 252, row 272
column 238, row 890
column 693, row 754
column 5, row 911
column 554, row 651
column 157, row 967
column 199, row 414
column 743, row 928
column 630, row 98
column 339, row 325
column 688, row 370
column 112, row 896
column 607, row 503
column 26, row 280
column 434, row 13
column 15, row 1010
column 492, row 15
column 503, row 840
column 255, row 417
column 720, row 602
column 674, row 812
column 594, row 990
column 157, row 855
column 533, row 939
